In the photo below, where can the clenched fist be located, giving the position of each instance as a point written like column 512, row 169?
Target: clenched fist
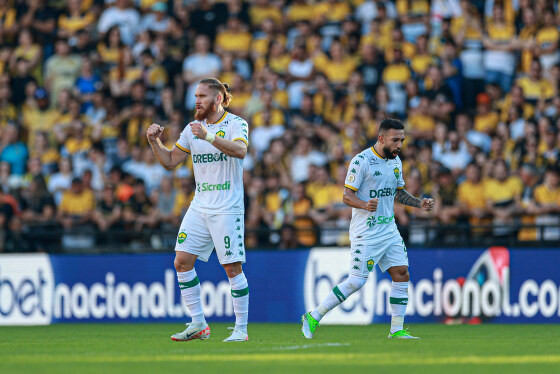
column 154, row 132
column 371, row 205
column 427, row 204
column 199, row 130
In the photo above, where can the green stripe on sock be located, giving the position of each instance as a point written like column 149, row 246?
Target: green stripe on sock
column 240, row 293
column 194, row 282
column 396, row 300
column 338, row 294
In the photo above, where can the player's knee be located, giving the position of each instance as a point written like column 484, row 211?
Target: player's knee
column 233, row 270
column 181, row 266
column 355, row 283
column 402, row 276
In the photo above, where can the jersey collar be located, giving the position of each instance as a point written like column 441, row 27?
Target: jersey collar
column 221, row 119
column 377, row 154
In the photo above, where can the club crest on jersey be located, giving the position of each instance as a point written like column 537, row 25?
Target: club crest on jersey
column 221, row 134
column 397, row 172
column 181, row 237
column 370, row 264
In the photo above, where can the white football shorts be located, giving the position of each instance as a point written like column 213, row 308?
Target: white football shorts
column 385, row 254
column 200, row 233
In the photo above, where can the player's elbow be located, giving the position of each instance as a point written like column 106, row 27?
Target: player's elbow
column 170, row 165
column 240, row 152
column 346, row 199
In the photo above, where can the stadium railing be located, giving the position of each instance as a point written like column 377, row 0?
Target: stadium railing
column 424, row 235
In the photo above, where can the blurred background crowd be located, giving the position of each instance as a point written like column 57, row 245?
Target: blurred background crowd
column 475, row 82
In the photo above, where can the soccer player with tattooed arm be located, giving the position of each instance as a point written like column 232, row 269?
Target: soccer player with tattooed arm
column 373, row 182
column 217, row 142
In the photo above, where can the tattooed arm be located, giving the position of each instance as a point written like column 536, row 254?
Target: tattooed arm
column 405, row 198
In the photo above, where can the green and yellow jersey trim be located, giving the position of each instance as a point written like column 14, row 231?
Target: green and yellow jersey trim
column 350, row 187
column 243, row 140
column 221, row 119
column 400, row 188
column 375, row 153
column 182, row 148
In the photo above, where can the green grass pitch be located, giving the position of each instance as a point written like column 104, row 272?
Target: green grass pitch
column 280, row 348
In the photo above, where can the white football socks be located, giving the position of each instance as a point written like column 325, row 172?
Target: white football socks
column 190, row 292
column 338, row 294
column 240, row 295
column 398, row 300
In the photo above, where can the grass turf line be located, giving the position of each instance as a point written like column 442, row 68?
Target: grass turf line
column 278, row 348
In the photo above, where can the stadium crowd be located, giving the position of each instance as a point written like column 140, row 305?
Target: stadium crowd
column 475, row 82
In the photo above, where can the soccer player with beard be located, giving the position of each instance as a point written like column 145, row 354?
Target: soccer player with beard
column 373, row 182
column 217, row 142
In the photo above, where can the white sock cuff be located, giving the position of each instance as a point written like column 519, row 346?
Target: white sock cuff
column 239, row 282
column 186, row 276
column 400, row 285
column 399, row 289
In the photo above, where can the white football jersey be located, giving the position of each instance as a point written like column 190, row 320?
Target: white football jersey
column 218, row 177
column 373, row 176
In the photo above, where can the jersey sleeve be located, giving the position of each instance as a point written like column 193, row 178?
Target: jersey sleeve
column 400, row 179
column 241, row 131
column 183, row 142
column 356, row 173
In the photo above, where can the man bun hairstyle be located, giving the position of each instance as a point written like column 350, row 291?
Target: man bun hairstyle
column 390, row 123
column 222, row 88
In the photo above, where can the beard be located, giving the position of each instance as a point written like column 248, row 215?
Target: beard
column 389, row 153
column 201, row 116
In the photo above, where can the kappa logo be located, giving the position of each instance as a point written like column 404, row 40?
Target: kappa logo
column 240, row 245
column 241, row 253
column 239, row 236
column 358, row 252
column 353, row 170
column 356, row 259
column 356, row 162
column 361, row 156
column 377, row 173
column 355, row 267
column 238, row 219
column 373, row 161
column 238, row 228
column 229, row 253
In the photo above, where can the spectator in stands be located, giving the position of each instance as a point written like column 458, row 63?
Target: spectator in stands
column 122, row 15
column 288, row 238
column 74, row 19
column 41, row 19
column 37, row 204
column 29, row 51
column 503, row 193
column 157, row 20
column 471, row 196
column 534, row 86
column 499, row 59
column 547, row 41
column 61, row 70
column 138, row 212
column 13, row 151
column 202, row 63
column 77, row 206
column 547, row 200
column 108, row 212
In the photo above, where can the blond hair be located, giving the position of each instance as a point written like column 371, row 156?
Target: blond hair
column 222, row 88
